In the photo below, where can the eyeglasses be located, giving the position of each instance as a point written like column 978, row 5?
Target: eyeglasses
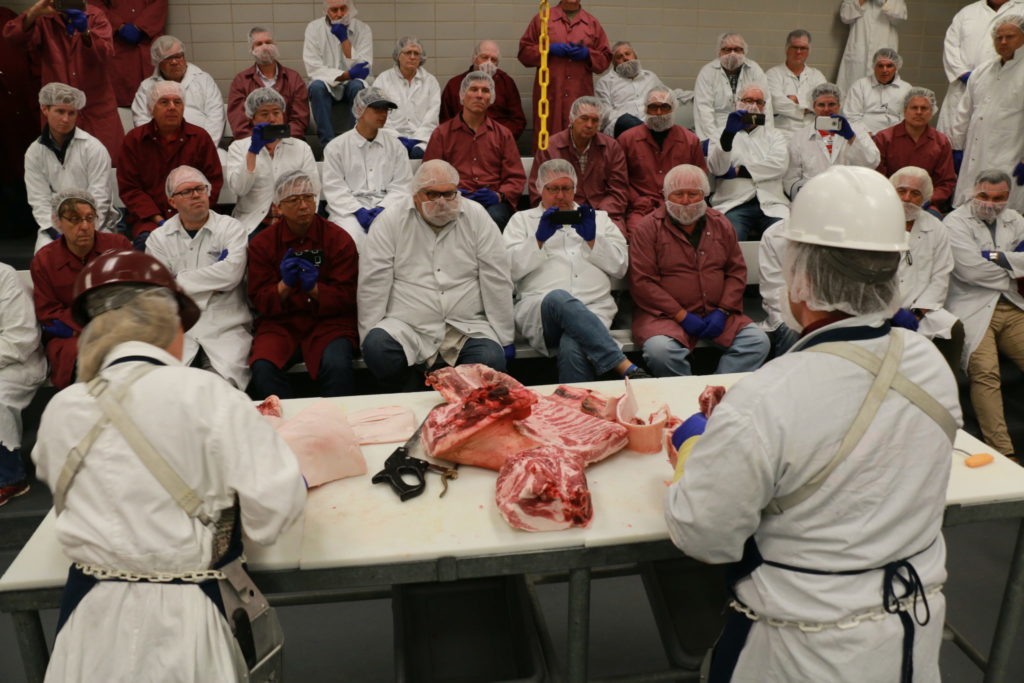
column 191, row 192
column 560, row 189
column 663, row 107
column 306, row 198
column 751, row 100
column 411, row 53
column 78, row 220
column 799, row 48
column 434, row 195
column 175, row 57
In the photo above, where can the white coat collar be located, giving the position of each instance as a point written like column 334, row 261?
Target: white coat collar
column 925, row 222
column 137, row 348
column 191, row 72
column 871, row 320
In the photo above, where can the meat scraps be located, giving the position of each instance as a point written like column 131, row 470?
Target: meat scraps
column 271, row 407
column 709, row 398
column 586, row 400
column 456, row 384
column 585, row 436
column 543, row 489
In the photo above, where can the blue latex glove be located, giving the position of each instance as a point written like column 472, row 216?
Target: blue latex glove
column 340, row 32
column 256, row 142
column 290, row 269
column 579, row 53
column 139, row 243
column 545, row 229
column 847, row 130
column 704, row 144
column 730, row 174
column 1018, row 173
column 130, row 34
column 958, row 158
column 587, row 228
column 692, row 426
column 734, row 122
column 223, row 255
column 365, row 218
column 561, row 49
column 409, row 143
column 1000, row 258
column 359, row 70
column 59, row 329
column 965, row 76
column 714, row 324
column 485, row 196
column 510, row 352
column 308, row 273
column 905, row 319
column 693, row 325
column 1019, row 248
column 76, row 21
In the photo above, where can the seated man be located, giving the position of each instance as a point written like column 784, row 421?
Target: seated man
column 415, row 91
column 204, row 105
column 434, row 284
column 687, row 277
column 718, row 81
column 255, row 163
column 877, row 101
column 54, row 269
column 267, row 72
column 338, row 53
column 365, row 170
column 986, row 293
column 562, row 276
column 652, row 151
column 913, row 142
column 152, row 150
column 205, row 253
column 507, row 108
column 791, row 84
column 302, row 284
column 749, row 160
column 598, row 160
column 623, row 90
column 483, row 152
column 811, row 151
column 65, row 156
column 771, row 255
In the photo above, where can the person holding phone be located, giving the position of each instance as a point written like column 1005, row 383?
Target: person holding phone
column 136, row 24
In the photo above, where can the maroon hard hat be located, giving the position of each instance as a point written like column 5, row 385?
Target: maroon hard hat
column 128, row 267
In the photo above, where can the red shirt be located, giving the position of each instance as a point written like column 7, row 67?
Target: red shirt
column 19, row 90
column 932, row 152
column 487, row 157
column 506, row 110
column 54, row 270
column 132, row 63
column 291, row 87
column 300, row 321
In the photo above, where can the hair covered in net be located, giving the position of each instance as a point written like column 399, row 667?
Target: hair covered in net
column 163, row 89
column 74, row 195
column 686, row 176
column 292, row 183
column 853, row 281
column 260, row 97
column 433, row 172
column 55, row 93
column 924, row 184
column 553, row 169
column 182, row 175
column 163, row 47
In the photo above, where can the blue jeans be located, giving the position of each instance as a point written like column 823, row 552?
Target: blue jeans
column 665, row 357
column 500, row 213
column 585, row 348
column 335, row 377
column 12, row 469
column 322, row 104
column 625, row 122
column 782, row 339
column 749, row 221
column 385, row 357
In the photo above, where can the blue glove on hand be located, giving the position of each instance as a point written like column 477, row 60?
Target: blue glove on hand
column 693, row 325
column 485, row 196
column 409, row 142
column 692, row 426
column 340, row 32
column 964, row 77
column 308, row 273
column 714, row 324
column 1019, row 248
column 729, row 175
column 734, row 122
column 587, row 228
column 359, row 70
column 223, row 255
column 59, row 329
column 958, row 158
column 130, row 34
column 579, row 53
column 561, row 49
column 364, row 218
column 545, row 229
column 905, row 319
column 704, row 145
column 847, row 130
column 510, row 352
column 76, row 21
column 1000, row 258
column 256, row 142
column 1018, row 173
column 139, row 243
column 290, row 269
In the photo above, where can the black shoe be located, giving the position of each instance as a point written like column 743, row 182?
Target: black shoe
column 638, row 373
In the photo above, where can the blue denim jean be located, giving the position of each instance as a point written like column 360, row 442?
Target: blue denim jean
column 749, row 221
column 665, row 357
column 12, row 469
column 385, row 357
column 334, row 379
column 322, row 104
column 586, row 350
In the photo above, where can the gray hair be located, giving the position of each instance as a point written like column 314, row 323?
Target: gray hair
column 258, row 29
column 71, row 195
column 163, row 47
column 293, row 183
column 797, row 33
column 473, row 77
column 56, row 93
column 619, row 44
column 1015, row 20
column 731, row 34
column 185, row 174
column 993, row 176
column 406, row 41
column 927, row 187
column 753, row 85
column 161, row 89
column 480, row 44
column 660, row 89
column 854, row 281
column 919, row 92
column 554, row 168
column 890, row 54
column 685, row 175
column 826, row 89
column 261, row 97
column 433, row 172
column 586, row 101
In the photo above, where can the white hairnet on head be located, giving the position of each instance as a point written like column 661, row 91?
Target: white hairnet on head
column 471, row 78
column 406, row 41
column 686, row 177
column 586, row 101
column 73, row 195
column 619, row 44
column 434, row 172
column 185, row 174
column 993, row 176
column 352, row 11
column 163, row 89
column 363, row 99
column 924, row 181
column 552, row 169
column 890, row 54
column 853, row 281
column 163, row 47
column 826, row 89
column 1016, row 20
column 753, row 85
column 61, row 93
column 661, row 95
column 260, row 97
column 920, row 92
column 293, row 183
column 724, row 38
column 121, row 313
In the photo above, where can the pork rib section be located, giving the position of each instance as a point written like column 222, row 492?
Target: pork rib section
column 584, row 436
column 543, row 489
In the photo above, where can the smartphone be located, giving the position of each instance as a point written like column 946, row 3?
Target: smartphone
column 314, row 256
column 828, row 123
column 566, row 218
column 752, row 118
column 271, row 133
column 65, row 5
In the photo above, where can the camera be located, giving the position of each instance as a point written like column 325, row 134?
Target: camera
column 314, row 256
column 828, row 123
column 566, row 218
column 753, row 119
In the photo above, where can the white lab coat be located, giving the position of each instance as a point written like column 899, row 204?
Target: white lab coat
column 415, row 282
column 118, row 516
column 968, row 45
column 363, row 174
column 714, row 99
column 771, row 255
column 224, row 330
column 564, row 262
column 989, row 126
column 204, row 105
column 419, row 104
column 809, row 155
column 86, row 167
column 781, row 84
column 255, row 191
column 22, row 363
column 624, row 95
column 924, row 275
column 765, row 153
column 977, row 284
column 872, row 27
column 322, row 55
column 771, row 433
column 875, row 105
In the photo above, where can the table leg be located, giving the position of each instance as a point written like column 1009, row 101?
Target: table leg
column 579, row 624
column 1010, row 614
column 34, row 653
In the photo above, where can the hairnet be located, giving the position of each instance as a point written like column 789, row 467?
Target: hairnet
column 352, row 11
column 926, row 187
column 552, row 169
column 258, row 29
column 1012, row 19
column 586, row 101
column 686, row 176
column 76, row 194
column 890, row 54
column 722, row 39
column 797, row 33
column 472, row 77
column 61, row 93
column 826, row 89
column 365, row 96
column 122, row 313
column 185, row 174
column 853, row 281
column 261, row 97
column 660, row 94
column 406, row 41
column 753, row 85
column 993, row 176
column 163, row 47
column 293, row 183
column 163, row 89
column 919, row 92
column 619, row 44
column 433, row 172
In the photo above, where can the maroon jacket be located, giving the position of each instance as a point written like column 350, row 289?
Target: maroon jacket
column 292, row 88
column 485, row 158
column 54, row 269
column 19, row 90
column 132, row 63
column 932, row 152
column 146, row 160
column 301, row 322
column 667, row 274
column 506, row 110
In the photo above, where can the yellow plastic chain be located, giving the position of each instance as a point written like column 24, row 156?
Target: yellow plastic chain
column 543, row 75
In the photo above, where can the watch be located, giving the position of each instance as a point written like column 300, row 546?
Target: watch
column 993, row 256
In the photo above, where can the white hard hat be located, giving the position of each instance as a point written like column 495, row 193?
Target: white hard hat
column 849, row 207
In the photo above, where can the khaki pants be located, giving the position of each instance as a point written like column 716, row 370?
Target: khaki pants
column 1005, row 334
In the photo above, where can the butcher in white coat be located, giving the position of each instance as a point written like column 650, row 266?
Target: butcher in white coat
column 792, row 83
column 415, row 91
column 877, row 100
column 718, row 81
column 116, row 517
column 872, row 26
column 206, row 253
column 814, row 560
column 624, row 90
column 987, row 294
